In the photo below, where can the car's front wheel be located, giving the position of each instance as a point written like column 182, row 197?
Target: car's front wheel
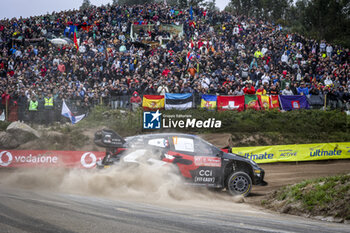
column 239, row 183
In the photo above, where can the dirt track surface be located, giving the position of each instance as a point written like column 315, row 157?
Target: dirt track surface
column 38, row 212
column 110, row 201
column 281, row 174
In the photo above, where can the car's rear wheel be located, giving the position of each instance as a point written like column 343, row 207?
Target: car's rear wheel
column 239, row 183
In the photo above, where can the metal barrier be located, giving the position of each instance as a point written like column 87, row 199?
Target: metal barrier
column 14, row 112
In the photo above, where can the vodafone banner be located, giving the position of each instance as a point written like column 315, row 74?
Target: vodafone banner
column 46, row 158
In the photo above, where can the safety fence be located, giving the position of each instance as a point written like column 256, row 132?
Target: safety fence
column 259, row 154
column 294, row 153
column 13, row 111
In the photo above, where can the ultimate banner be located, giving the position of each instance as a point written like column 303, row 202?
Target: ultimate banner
column 293, row 153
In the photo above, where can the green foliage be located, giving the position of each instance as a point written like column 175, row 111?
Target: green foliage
column 322, row 196
column 134, row 2
column 319, row 19
column 3, row 125
column 263, row 127
column 196, row 3
column 183, row 3
column 85, row 5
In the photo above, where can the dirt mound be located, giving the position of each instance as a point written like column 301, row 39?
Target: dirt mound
column 221, row 140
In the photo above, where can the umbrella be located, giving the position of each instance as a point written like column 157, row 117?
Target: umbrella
column 59, row 41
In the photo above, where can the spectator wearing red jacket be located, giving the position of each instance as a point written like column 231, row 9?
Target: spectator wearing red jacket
column 135, row 101
column 5, row 98
column 249, row 89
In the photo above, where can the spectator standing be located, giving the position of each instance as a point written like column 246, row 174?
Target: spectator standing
column 261, row 90
column 163, row 88
column 33, row 109
column 41, row 108
column 303, row 90
column 287, row 91
column 273, row 90
column 22, row 106
column 135, row 101
column 49, row 108
column 249, row 89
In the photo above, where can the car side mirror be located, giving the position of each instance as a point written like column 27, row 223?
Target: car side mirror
column 220, row 154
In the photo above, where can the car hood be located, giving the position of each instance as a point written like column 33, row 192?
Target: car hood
column 235, row 156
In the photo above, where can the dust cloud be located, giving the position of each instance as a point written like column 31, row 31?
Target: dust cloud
column 137, row 182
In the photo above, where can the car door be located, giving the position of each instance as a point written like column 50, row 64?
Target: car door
column 181, row 153
column 195, row 159
column 209, row 162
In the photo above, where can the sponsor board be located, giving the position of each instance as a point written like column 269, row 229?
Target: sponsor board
column 44, row 158
column 293, row 153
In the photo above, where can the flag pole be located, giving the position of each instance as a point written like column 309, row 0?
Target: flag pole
column 6, row 109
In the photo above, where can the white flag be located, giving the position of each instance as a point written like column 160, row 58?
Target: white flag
column 67, row 113
column 2, row 116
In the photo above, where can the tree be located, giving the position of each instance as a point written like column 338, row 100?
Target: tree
column 183, row 3
column 115, row 2
column 211, row 5
column 196, row 3
column 85, row 5
column 134, row 2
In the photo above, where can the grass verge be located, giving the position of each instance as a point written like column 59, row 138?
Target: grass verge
column 327, row 197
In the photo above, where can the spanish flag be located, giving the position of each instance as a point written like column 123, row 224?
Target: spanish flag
column 208, row 102
column 264, row 101
column 153, row 102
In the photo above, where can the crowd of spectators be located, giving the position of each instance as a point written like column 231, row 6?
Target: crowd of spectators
column 218, row 53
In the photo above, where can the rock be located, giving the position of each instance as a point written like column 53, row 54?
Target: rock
column 332, row 219
column 347, row 221
column 54, row 134
column 318, row 217
column 338, row 220
column 8, row 141
column 22, row 132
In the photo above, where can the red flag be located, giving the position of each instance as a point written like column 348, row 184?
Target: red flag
column 274, row 102
column 75, row 38
column 230, row 103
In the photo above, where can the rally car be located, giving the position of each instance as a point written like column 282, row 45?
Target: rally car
column 198, row 161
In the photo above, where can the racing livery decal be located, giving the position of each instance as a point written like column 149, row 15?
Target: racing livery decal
column 207, row 161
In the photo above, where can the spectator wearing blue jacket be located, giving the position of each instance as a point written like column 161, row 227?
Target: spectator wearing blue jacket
column 303, row 90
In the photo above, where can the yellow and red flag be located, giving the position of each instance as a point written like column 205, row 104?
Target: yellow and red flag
column 153, row 102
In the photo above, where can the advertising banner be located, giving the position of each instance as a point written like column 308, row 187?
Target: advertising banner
column 45, row 158
column 293, row 153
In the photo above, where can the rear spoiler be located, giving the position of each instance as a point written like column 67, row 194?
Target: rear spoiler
column 109, row 139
